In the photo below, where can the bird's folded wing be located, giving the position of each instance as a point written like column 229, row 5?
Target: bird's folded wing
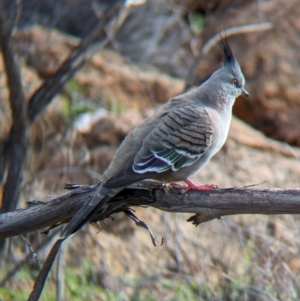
column 178, row 140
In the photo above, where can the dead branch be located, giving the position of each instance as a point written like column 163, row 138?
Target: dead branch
column 216, row 39
column 207, row 205
column 25, row 261
column 77, row 57
column 234, row 31
column 43, row 274
column 14, row 150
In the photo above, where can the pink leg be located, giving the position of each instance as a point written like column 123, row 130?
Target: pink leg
column 193, row 186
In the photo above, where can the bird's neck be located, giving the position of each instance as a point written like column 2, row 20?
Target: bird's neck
column 218, row 99
column 222, row 101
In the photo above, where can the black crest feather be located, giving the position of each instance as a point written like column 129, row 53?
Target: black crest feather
column 228, row 56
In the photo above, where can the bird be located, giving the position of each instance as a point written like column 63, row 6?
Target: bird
column 175, row 142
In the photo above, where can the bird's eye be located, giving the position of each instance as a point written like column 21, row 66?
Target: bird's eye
column 235, row 82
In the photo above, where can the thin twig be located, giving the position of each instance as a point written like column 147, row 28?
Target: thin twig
column 44, row 95
column 216, row 39
column 43, row 274
column 60, row 276
column 139, row 223
column 27, row 258
column 32, row 252
column 234, row 31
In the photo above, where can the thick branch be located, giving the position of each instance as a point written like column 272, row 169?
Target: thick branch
column 207, row 204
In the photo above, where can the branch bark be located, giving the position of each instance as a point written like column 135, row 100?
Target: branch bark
column 207, row 205
column 14, row 150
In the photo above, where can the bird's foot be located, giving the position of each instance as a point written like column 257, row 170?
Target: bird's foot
column 190, row 185
column 193, row 186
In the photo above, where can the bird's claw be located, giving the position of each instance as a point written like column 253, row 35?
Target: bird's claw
column 194, row 220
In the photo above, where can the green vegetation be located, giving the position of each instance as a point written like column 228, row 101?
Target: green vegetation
column 114, row 106
column 73, row 103
column 197, row 22
column 80, row 285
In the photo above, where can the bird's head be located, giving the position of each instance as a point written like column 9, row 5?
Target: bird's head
column 231, row 73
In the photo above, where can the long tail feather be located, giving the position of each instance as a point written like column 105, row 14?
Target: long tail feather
column 99, row 199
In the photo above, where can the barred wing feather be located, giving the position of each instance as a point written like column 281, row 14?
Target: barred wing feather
column 179, row 139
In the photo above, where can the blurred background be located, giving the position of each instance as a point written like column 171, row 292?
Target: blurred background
column 153, row 55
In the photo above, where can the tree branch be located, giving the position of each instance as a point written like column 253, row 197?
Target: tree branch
column 216, row 39
column 14, row 150
column 207, row 204
column 77, row 57
column 24, row 262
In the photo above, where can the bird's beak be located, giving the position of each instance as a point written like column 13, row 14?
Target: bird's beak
column 245, row 92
